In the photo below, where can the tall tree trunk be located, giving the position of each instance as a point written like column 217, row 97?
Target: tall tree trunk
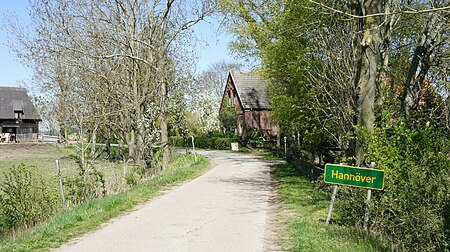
column 131, row 142
column 164, row 129
column 121, row 150
column 423, row 57
column 367, row 69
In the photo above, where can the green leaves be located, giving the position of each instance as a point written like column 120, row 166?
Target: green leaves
column 412, row 210
column 228, row 117
column 25, row 199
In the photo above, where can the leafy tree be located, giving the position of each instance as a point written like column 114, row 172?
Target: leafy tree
column 228, row 117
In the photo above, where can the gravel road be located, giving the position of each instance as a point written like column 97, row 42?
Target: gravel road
column 226, row 209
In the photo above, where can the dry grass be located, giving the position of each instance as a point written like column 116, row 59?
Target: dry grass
column 40, row 157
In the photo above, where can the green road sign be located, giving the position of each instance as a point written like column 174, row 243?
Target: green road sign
column 354, row 176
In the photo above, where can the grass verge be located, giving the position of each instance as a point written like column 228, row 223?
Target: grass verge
column 303, row 221
column 90, row 215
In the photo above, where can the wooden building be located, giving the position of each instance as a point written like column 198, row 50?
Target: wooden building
column 247, row 91
column 17, row 113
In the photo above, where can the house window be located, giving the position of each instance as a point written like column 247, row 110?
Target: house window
column 18, row 109
column 17, row 114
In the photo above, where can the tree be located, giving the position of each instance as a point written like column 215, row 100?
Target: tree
column 116, row 58
column 204, row 95
column 228, row 117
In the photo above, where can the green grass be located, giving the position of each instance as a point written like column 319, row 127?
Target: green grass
column 303, row 223
column 90, row 215
column 268, row 155
column 39, row 157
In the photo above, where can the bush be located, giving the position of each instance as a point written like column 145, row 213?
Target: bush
column 25, row 199
column 87, row 184
column 177, row 141
column 134, row 175
column 213, row 140
column 412, row 210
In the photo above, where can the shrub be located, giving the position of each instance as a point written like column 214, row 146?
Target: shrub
column 136, row 174
column 177, row 141
column 412, row 210
column 87, row 184
column 25, row 199
column 215, row 142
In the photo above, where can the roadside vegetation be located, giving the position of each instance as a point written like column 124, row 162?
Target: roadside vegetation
column 212, row 140
column 362, row 82
column 32, row 217
column 304, row 205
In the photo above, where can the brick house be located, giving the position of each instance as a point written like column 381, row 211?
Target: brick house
column 247, row 91
column 17, row 113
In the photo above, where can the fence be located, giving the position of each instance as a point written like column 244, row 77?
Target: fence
column 49, row 138
column 30, row 137
column 27, row 137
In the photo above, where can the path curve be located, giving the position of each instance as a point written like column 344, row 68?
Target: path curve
column 225, row 209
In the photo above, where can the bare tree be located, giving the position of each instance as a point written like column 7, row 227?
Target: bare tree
column 115, row 56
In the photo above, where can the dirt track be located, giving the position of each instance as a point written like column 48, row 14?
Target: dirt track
column 15, row 151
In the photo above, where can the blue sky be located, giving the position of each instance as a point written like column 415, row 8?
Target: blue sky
column 211, row 48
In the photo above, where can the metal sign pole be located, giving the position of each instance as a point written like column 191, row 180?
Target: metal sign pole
column 333, row 198
column 366, row 210
column 61, row 185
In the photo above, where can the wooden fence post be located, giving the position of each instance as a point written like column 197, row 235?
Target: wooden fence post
column 193, row 149
column 61, row 184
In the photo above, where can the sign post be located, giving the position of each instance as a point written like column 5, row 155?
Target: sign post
column 353, row 176
column 366, row 210
column 330, row 208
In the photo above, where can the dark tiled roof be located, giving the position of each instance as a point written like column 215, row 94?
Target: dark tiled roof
column 14, row 98
column 251, row 89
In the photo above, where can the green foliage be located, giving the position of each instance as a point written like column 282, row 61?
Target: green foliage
column 90, row 215
column 213, row 141
column 25, row 199
column 87, row 184
column 413, row 209
column 228, row 117
column 304, row 228
column 137, row 173
column 216, row 141
column 177, row 141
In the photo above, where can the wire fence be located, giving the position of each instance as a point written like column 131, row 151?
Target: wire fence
column 28, row 137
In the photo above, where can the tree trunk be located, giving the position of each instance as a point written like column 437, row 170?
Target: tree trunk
column 131, row 141
column 367, row 69
column 121, row 150
column 423, row 53
column 164, row 129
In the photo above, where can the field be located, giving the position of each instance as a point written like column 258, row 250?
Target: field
column 40, row 157
column 87, row 216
